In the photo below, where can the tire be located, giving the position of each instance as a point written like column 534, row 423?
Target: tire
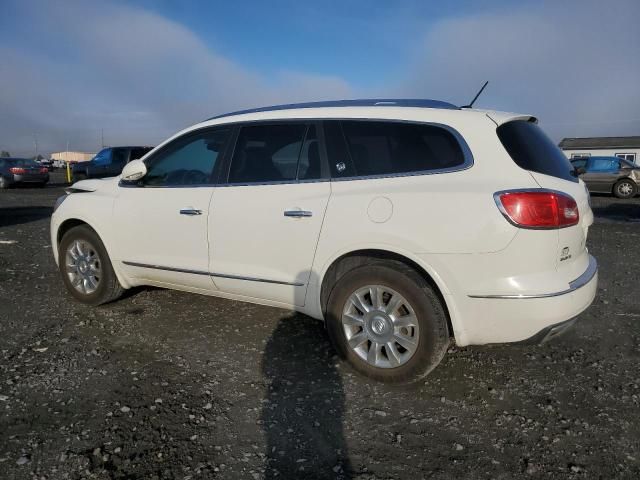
column 4, row 184
column 625, row 188
column 392, row 365
column 107, row 288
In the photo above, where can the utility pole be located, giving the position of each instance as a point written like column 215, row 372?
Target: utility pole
column 102, row 138
column 35, row 142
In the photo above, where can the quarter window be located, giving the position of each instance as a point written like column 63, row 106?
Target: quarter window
column 267, row 153
column 386, row 148
column 188, row 161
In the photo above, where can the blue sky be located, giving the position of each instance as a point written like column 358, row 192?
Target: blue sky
column 142, row 70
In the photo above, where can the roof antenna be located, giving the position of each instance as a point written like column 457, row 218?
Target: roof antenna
column 477, row 95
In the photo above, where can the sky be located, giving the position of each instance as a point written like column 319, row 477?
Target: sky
column 80, row 73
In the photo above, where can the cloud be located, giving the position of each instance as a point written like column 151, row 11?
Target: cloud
column 575, row 64
column 77, row 67
column 135, row 74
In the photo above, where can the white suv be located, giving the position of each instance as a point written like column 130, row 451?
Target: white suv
column 401, row 223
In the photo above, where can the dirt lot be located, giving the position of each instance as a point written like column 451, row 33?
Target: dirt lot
column 165, row 384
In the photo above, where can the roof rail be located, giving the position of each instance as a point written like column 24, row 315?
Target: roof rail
column 365, row 102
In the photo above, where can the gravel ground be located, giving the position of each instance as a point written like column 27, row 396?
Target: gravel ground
column 164, row 384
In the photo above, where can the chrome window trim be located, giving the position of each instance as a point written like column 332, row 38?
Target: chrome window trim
column 211, row 274
column 466, row 151
column 581, row 281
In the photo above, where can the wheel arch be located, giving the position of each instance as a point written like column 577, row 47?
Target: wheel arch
column 355, row 258
column 72, row 222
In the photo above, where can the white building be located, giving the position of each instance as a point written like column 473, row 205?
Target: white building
column 623, row 147
column 72, row 156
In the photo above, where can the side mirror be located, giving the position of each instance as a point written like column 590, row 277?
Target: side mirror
column 133, row 171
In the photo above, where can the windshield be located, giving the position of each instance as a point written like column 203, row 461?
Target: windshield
column 102, row 157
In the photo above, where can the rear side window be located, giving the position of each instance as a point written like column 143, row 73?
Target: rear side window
column 387, row 148
column 603, row 164
column 532, row 150
column 267, row 153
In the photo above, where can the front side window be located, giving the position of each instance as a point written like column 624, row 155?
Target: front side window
column 387, row 148
column 267, row 153
column 187, row 161
column 603, row 164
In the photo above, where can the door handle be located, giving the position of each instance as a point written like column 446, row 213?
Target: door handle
column 190, row 211
column 298, row 213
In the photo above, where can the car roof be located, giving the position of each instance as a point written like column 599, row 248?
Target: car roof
column 364, row 102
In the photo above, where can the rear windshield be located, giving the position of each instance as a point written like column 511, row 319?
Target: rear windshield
column 23, row 162
column 532, row 150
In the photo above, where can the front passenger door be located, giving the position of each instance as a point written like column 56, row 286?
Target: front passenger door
column 161, row 221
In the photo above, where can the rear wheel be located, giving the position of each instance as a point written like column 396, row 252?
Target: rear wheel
column 386, row 321
column 86, row 268
column 625, row 188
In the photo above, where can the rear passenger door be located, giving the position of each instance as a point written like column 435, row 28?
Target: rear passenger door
column 601, row 173
column 266, row 218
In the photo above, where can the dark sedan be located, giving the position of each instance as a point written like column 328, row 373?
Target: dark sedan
column 609, row 175
column 22, row 170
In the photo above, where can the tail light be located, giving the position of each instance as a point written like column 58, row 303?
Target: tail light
column 539, row 209
column 44, row 170
column 17, row 170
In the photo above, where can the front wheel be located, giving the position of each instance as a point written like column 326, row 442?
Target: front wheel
column 86, row 268
column 625, row 188
column 387, row 322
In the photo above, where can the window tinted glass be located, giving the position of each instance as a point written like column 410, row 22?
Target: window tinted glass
column 339, row 160
column 603, row 164
column 531, row 149
column 188, row 161
column 23, row 162
column 119, row 157
column 309, row 167
column 137, row 153
column 103, row 157
column 580, row 163
column 380, row 148
column 267, row 153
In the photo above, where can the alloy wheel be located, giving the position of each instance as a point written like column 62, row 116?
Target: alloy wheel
column 380, row 326
column 83, row 266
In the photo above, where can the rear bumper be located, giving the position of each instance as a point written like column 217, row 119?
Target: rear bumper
column 517, row 318
column 30, row 178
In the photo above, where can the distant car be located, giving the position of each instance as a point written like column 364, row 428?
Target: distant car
column 22, row 170
column 609, row 175
column 47, row 163
column 108, row 162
